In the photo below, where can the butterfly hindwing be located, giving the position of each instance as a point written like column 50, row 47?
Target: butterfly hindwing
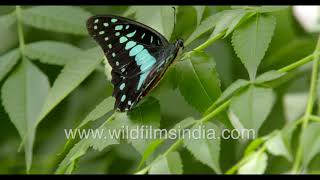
column 123, row 91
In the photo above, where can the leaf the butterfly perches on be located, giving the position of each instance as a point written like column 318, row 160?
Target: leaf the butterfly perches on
column 138, row 55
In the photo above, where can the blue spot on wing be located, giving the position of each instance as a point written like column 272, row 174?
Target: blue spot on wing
column 142, row 57
column 130, row 44
column 131, row 34
column 118, row 27
column 143, row 77
column 123, row 39
column 146, row 61
column 135, row 50
column 122, row 86
column 123, row 97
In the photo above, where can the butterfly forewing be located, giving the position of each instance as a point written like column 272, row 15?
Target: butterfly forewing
column 113, row 34
column 132, row 50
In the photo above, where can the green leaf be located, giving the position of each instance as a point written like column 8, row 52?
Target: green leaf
column 234, row 87
column 23, row 95
column 186, row 123
column 147, row 115
column 80, row 149
column 287, row 135
column 257, row 164
column 204, row 26
column 296, row 98
column 205, row 145
column 130, row 11
column 170, row 164
column 265, row 9
column 277, row 147
column 101, row 109
column 310, row 142
column 251, row 41
column 7, row 62
column 70, row 77
column 149, row 150
column 199, row 69
column 288, row 52
column 236, row 22
column 64, row 19
column 7, row 20
column 8, row 32
column 199, row 11
column 158, row 17
column 167, row 15
column 252, row 106
column 268, row 76
column 261, row 9
column 69, row 163
column 52, row 52
column 230, row 18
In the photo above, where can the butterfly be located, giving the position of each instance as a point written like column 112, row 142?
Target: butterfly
column 139, row 56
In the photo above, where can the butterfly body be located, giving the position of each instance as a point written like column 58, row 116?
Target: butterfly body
column 138, row 55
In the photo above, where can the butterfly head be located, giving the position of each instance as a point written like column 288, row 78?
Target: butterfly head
column 178, row 47
column 179, row 43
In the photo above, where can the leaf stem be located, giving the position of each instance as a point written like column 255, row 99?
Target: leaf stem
column 20, row 31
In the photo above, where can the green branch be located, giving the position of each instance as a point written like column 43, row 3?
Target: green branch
column 312, row 96
column 311, row 99
column 235, row 168
column 298, row 63
column 209, row 42
column 314, row 118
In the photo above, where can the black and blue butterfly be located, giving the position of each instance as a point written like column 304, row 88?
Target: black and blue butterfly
column 139, row 56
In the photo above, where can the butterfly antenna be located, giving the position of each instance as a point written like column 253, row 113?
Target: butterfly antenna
column 174, row 20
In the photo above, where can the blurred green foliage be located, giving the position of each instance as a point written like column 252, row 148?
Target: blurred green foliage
column 52, row 78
